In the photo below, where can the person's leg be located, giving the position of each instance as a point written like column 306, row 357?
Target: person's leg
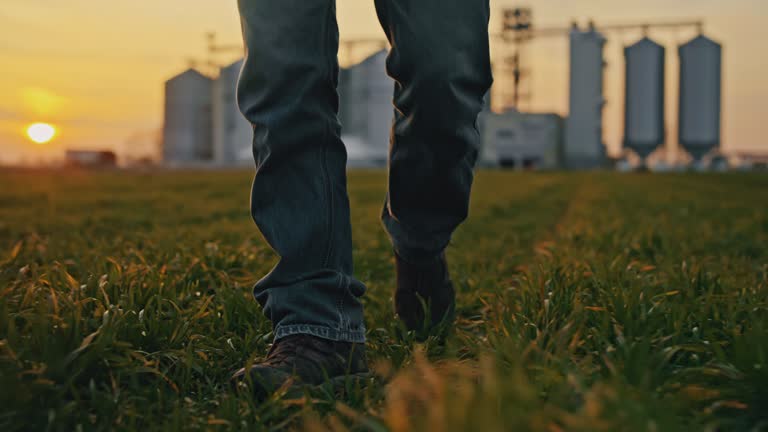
column 441, row 66
column 287, row 90
column 440, row 62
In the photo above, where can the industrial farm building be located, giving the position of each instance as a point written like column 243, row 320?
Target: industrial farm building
column 516, row 140
column 90, row 159
column 231, row 133
column 187, row 132
column 584, row 146
column 203, row 124
column 365, row 110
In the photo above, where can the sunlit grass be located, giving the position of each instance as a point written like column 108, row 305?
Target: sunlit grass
column 587, row 302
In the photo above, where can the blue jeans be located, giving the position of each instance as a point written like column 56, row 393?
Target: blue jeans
column 441, row 67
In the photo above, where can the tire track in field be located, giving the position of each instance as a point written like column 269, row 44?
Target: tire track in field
column 586, row 191
column 491, row 251
column 548, row 212
column 523, row 215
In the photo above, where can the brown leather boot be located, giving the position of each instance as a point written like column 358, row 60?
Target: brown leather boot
column 308, row 361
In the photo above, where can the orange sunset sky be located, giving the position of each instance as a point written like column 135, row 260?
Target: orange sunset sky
column 95, row 69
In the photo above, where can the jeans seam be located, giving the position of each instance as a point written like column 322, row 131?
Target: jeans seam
column 329, row 199
column 342, row 288
column 326, row 139
column 346, row 335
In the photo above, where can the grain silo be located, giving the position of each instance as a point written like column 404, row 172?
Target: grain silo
column 365, row 110
column 187, row 133
column 644, row 128
column 700, row 96
column 584, row 147
column 232, row 133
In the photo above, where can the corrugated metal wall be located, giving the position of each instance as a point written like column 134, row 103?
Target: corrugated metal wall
column 233, row 134
column 584, row 147
column 366, row 110
column 187, row 131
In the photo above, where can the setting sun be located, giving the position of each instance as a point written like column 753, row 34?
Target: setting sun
column 41, row 133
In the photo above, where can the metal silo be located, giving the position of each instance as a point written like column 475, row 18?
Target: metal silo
column 233, row 134
column 584, row 147
column 700, row 96
column 365, row 110
column 644, row 128
column 187, row 135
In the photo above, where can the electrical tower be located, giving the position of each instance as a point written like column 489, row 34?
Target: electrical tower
column 516, row 32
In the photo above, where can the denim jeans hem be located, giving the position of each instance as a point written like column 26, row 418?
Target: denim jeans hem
column 417, row 258
column 338, row 335
column 414, row 246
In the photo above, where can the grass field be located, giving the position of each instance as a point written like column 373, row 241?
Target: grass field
column 588, row 302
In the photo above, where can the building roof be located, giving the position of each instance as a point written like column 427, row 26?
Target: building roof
column 189, row 73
